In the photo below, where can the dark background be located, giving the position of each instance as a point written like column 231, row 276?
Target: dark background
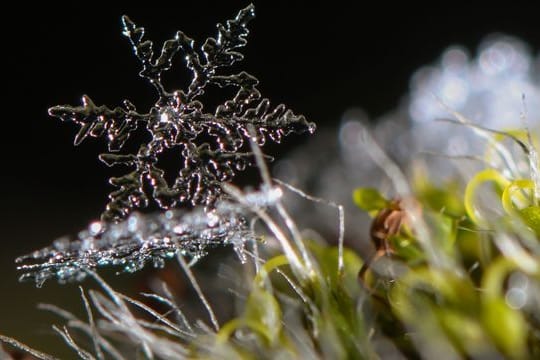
column 318, row 58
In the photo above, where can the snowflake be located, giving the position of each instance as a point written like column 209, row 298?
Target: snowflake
column 209, row 144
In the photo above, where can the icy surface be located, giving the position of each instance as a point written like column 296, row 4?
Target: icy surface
column 140, row 239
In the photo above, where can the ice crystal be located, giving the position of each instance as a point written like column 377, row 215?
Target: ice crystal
column 138, row 240
column 209, row 144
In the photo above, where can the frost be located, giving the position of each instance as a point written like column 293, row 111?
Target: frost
column 490, row 89
column 139, row 240
column 487, row 89
column 209, row 144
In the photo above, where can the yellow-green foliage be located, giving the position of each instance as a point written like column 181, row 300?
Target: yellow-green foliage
column 466, row 309
column 465, row 306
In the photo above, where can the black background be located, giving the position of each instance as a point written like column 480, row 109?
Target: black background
column 319, row 58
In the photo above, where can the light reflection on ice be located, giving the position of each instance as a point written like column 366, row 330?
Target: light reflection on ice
column 517, row 295
column 488, row 90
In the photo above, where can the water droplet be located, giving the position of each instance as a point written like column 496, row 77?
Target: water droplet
column 95, row 228
column 516, row 298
